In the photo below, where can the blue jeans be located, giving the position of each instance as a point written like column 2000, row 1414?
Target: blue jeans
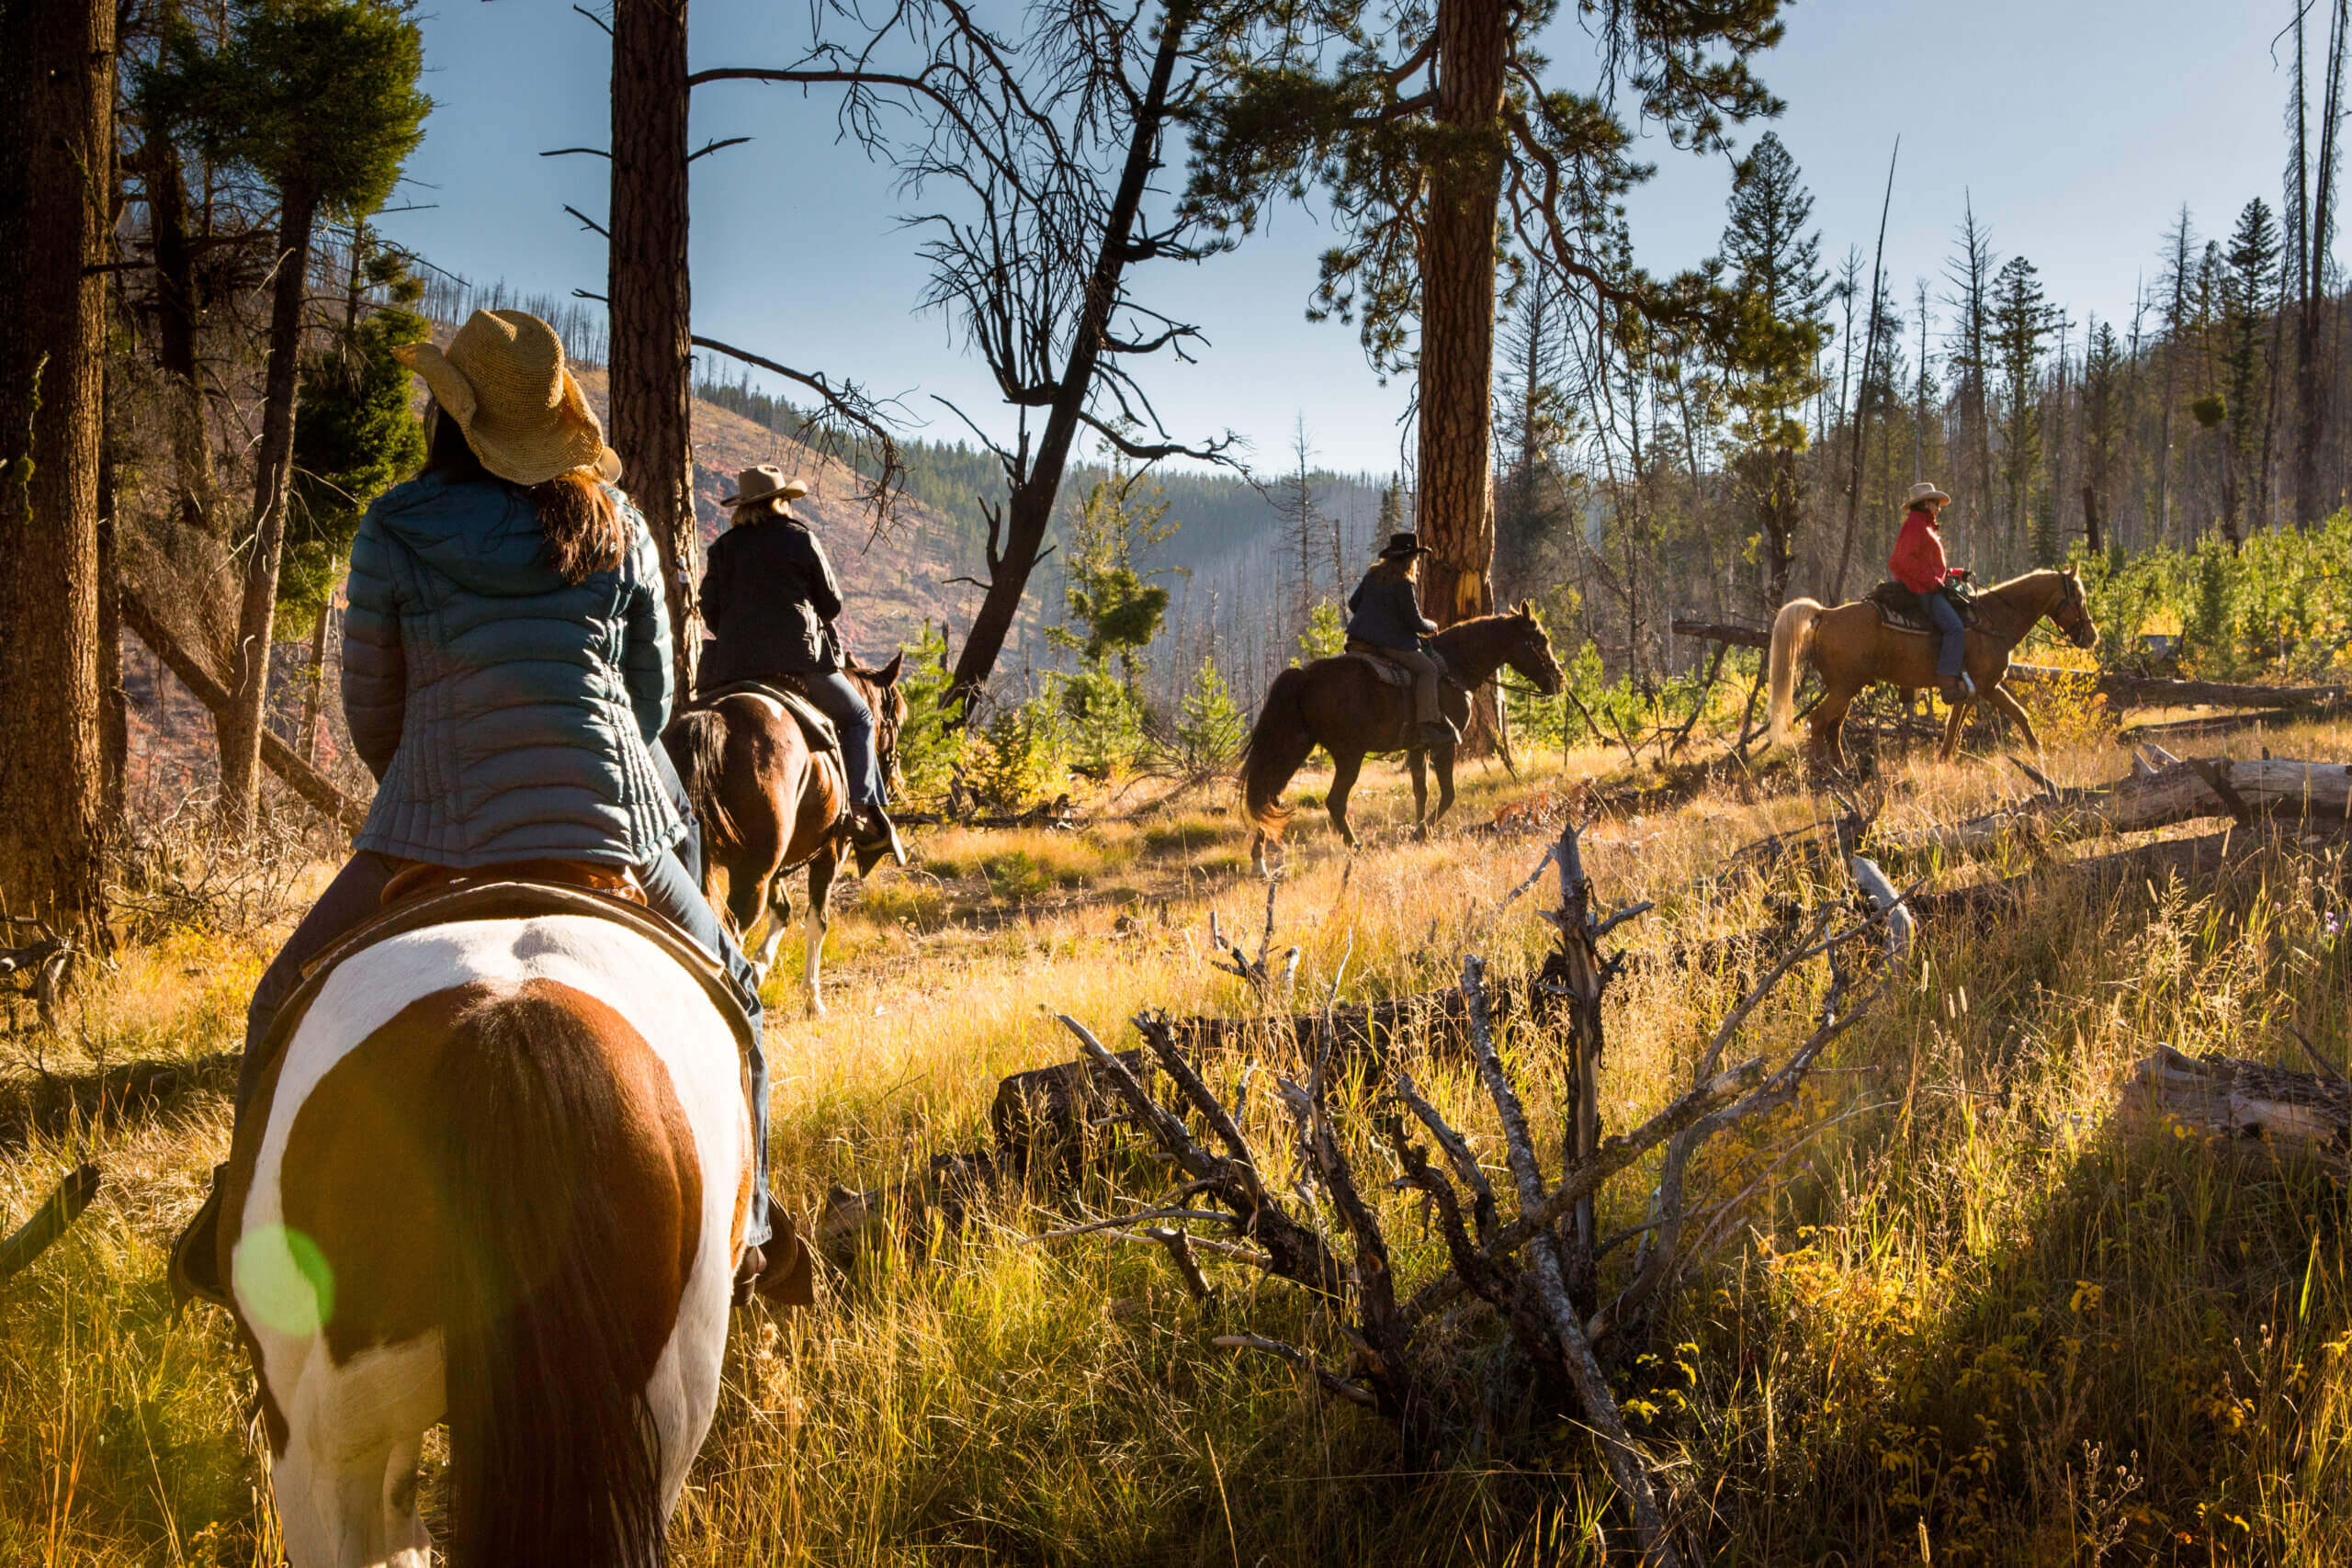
column 357, row 892
column 1953, row 652
column 838, row 700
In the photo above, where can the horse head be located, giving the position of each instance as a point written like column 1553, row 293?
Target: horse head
column 889, row 706
column 2071, row 614
column 1531, row 650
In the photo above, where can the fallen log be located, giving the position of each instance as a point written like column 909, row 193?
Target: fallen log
column 2210, row 726
column 59, row 1210
column 2158, row 798
column 2226, row 1097
column 1722, row 631
column 2126, row 691
column 198, row 676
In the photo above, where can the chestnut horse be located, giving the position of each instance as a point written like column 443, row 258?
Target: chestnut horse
column 768, row 805
column 1342, row 706
column 497, row 1176
column 1851, row 646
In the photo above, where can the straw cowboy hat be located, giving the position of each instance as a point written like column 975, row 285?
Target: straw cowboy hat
column 504, row 380
column 762, row 484
column 1923, row 491
column 1403, row 544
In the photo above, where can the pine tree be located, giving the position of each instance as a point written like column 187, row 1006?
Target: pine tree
column 2021, row 320
column 1772, row 350
column 2250, row 296
column 1431, row 131
column 2104, row 374
column 1209, row 726
column 318, row 97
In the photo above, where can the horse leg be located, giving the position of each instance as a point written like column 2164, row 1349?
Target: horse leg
column 820, row 889
column 1416, row 764
column 2000, row 698
column 1953, row 725
column 1443, row 762
column 1829, row 728
column 1345, row 766
column 345, row 1484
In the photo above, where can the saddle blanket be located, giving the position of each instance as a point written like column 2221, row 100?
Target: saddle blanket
column 1898, row 608
column 1387, row 670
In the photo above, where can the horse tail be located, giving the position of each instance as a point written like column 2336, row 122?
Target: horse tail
column 696, row 740
column 554, row 1455
column 1792, row 638
column 1279, row 744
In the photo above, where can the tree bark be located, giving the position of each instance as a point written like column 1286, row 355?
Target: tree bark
column 176, row 317
column 57, row 125
column 1455, row 513
column 651, row 383
column 1030, row 508
column 273, row 479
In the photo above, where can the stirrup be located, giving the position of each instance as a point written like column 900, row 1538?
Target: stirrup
column 194, row 1267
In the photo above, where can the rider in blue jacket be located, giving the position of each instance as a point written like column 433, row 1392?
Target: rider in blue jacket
column 506, row 675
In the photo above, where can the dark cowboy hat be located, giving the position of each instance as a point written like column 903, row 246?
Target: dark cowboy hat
column 1406, row 543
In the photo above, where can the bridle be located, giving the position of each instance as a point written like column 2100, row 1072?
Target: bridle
column 2073, row 614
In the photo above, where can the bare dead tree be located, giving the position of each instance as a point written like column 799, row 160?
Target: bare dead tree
column 1035, row 160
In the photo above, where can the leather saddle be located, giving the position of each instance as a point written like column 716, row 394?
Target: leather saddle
column 1901, row 610
column 818, row 729
column 1387, row 670
column 420, row 897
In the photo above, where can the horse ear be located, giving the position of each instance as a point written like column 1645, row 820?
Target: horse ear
column 1527, row 608
column 888, row 674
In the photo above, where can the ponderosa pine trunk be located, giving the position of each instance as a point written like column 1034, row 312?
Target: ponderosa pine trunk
column 651, row 375
column 57, row 124
column 1030, row 508
column 272, row 485
column 1455, row 512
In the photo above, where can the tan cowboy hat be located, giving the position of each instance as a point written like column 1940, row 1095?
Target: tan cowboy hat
column 765, row 482
column 504, row 380
column 1923, row 491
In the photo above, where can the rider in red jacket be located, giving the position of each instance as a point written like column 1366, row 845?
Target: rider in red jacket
column 1919, row 564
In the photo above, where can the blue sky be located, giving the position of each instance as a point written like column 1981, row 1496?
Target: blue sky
column 2080, row 127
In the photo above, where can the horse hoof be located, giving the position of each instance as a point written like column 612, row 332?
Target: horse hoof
column 816, row 1007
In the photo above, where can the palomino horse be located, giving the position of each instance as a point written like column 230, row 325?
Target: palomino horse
column 1851, row 646
column 497, row 1176
column 1342, row 706
column 768, row 805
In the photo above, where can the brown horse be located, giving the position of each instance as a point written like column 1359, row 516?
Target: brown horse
column 1343, row 706
column 768, row 805
column 1851, row 646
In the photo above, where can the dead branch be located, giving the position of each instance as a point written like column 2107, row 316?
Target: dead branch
column 59, row 1210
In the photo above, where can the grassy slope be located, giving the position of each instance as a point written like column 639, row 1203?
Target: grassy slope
column 1938, row 1326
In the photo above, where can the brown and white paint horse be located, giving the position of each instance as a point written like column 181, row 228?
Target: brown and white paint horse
column 500, row 1180
column 768, row 805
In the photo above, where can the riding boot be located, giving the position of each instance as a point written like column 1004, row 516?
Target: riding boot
column 195, row 1266
column 1440, row 734
column 875, row 838
column 1958, row 689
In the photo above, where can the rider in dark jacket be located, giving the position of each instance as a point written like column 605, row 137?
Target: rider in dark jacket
column 1385, row 617
column 770, row 599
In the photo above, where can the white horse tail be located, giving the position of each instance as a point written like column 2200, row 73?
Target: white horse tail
column 1792, row 638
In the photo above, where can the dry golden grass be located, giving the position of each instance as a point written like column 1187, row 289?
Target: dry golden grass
column 1932, row 1331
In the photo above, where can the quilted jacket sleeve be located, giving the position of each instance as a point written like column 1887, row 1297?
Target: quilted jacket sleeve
column 645, row 657
column 375, row 671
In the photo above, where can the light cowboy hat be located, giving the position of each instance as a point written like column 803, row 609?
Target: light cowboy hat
column 1923, row 491
column 764, row 483
column 504, row 380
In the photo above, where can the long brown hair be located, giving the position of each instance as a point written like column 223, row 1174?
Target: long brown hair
column 578, row 517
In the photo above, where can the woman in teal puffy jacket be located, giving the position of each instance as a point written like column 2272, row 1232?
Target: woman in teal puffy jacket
column 506, row 669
